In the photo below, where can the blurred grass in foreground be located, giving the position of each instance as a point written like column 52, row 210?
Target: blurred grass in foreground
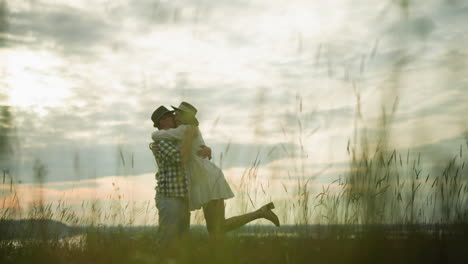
column 122, row 246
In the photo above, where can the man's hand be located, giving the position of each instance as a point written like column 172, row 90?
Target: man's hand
column 153, row 147
column 204, row 152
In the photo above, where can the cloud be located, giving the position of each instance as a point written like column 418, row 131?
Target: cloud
column 418, row 27
column 69, row 29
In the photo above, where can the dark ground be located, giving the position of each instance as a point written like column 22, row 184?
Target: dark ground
column 253, row 244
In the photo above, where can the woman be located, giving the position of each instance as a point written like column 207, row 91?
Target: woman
column 207, row 186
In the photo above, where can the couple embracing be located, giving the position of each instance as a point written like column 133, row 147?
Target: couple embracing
column 187, row 180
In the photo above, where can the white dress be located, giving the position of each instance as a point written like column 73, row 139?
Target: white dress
column 206, row 180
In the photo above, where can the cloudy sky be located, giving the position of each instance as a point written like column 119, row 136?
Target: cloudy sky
column 289, row 82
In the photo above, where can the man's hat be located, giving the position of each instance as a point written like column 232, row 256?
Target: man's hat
column 186, row 107
column 158, row 113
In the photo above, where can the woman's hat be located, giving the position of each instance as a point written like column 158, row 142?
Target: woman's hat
column 186, row 107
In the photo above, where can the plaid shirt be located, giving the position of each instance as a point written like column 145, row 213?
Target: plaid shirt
column 171, row 178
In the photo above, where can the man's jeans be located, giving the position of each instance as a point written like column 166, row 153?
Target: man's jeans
column 174, row 219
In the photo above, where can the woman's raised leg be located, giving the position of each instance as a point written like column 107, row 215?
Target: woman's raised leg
column 217, row 225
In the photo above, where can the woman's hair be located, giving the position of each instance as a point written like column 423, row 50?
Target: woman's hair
column 188, row 119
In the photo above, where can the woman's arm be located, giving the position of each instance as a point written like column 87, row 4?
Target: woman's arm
column 171, row 134
column 186, row 148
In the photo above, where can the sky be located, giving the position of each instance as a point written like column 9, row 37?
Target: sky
column 286, row 84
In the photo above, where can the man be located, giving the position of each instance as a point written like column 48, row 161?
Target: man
column 172, row 180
